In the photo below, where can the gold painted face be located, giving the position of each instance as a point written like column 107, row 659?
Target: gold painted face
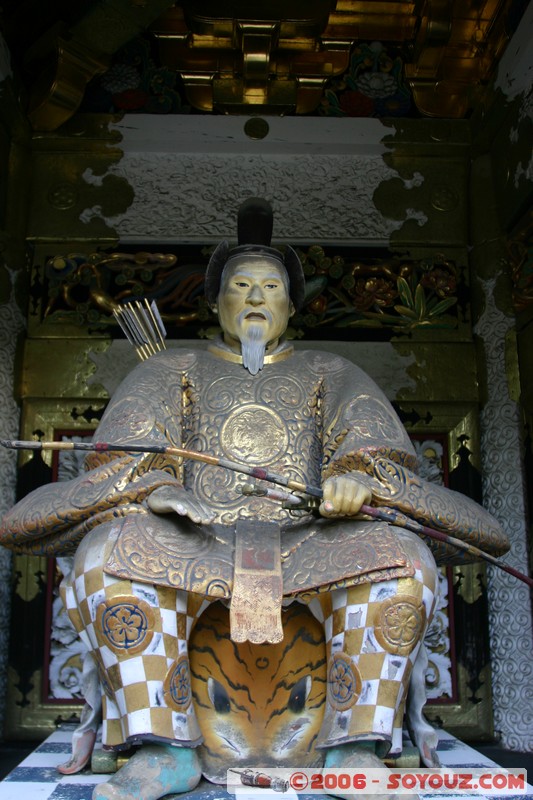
column 254, row 292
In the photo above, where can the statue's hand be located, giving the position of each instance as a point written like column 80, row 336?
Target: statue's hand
column 343, row 496
column 175, row 498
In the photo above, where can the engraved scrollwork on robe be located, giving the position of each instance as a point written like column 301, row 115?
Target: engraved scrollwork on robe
column 253, row 434
column 370, row 419
column 334, row 549
column 173, row 552
column 433, row 505
column 209, row 403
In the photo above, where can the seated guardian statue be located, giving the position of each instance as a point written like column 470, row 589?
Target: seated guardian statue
column 159, row 539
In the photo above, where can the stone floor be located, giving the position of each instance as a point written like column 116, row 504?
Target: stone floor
column 36, row 777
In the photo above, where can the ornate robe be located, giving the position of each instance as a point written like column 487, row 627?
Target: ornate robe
column 141, row 580
column 306, row 415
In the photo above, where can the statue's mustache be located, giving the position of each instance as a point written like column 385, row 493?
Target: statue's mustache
column 253, row 313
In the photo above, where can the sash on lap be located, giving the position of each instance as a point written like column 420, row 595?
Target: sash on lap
column 255, row 609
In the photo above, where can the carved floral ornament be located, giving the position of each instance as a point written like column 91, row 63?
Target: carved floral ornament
column 342, row 291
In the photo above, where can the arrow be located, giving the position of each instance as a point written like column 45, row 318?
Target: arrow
column 390, row 515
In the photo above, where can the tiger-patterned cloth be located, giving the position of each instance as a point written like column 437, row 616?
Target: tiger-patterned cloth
column 139, row 634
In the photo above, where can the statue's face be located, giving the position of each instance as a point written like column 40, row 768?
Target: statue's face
column 254, row 293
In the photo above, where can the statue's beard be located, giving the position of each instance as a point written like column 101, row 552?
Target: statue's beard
column 253, row 346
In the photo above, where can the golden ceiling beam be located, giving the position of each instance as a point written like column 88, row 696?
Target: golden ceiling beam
column 282, row 60
column 277, row 62
column 456, row 54
column 64, row 60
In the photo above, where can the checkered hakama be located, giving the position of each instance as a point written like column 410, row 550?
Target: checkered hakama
column 138, row 635
column 373, row 635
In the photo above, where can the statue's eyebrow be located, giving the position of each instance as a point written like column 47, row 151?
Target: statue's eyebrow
column 273, row 276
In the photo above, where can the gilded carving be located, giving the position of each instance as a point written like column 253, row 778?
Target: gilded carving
column 125, row 625
column 257, row 593
column 177, row 685
column 434, row 505
column 63, row 196
column 315, row 414
column 443, row 198
column 269, row 440
column 182, row 557
column 344, row 682
column 341, row 290
column 401, row 619
column 271, row 62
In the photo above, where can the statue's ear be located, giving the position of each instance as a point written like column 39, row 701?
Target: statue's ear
column 214, row 271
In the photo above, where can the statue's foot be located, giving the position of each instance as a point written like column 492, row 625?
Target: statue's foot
column 152, row 772
column 358, row 756
column 427, row 742
column 82, row 748
column 426, row 739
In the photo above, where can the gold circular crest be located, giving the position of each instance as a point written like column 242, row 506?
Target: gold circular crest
column 125, row 625
column 254, row 434
column 400, row 625
column 177, row 685
column 344, row 682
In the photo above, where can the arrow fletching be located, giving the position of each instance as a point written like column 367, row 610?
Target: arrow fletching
column 143, row 327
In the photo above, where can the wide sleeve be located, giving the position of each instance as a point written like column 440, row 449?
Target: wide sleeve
column 363, row 434
column 358, row 421
column 146, row 409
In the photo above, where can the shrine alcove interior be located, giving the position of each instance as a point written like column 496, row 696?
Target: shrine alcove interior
column 393, row 140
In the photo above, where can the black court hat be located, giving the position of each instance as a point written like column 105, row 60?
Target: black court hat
column 254, row 231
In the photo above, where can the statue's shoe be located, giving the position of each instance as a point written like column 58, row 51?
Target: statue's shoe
column 153, row 772
column 356, row 756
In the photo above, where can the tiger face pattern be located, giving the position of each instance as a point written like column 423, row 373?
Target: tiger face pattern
column 257, row 704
